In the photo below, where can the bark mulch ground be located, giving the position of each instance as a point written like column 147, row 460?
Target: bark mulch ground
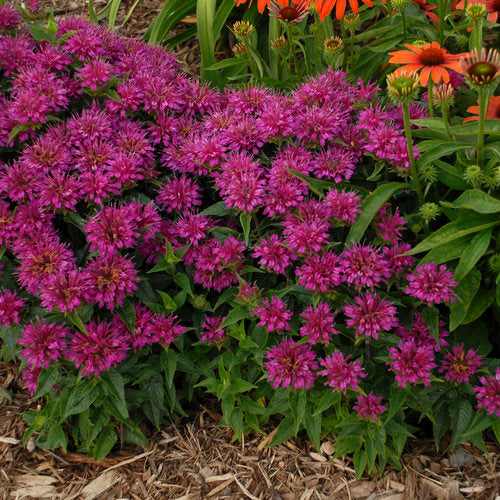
column 194, row 459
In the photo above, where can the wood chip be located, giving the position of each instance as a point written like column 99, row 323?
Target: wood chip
column 317, row 457
column 327, row 448
column 34, row 485
column 99, row 485
column 9, row 440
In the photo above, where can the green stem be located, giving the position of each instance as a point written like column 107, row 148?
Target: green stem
column 483, row 101
column 292, row 51
column 351, row 42
column 442, row 12
column 403, row 18
column 430, row 91
column 478, row 34
column 409, row 144
column 344, row 38
column 446, row 122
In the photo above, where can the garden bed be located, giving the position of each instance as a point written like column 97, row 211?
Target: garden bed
column 194, row 458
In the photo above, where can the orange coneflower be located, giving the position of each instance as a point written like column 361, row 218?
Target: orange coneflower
column 431, row 58
column 492, row 112
column 293, row 13
column 324, row 7
column 492, row 7
column 261, row 4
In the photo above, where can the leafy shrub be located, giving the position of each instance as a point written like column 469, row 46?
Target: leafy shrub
column 162, row 240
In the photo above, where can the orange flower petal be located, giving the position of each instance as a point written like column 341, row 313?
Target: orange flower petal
column 404, row 57
column 354, row 5
column 340, row 9
column 424, row 76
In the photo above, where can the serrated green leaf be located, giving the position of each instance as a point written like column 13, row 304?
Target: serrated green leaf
column 47, row 378
column 313, row 428
column 183, row 281
column 105, row 442
column 477, row 200
column 464, row 292
column 284, row 433
column 369, row 208
column 430, row 316
column 481, row 301
column 463, row 419
column 168, row 360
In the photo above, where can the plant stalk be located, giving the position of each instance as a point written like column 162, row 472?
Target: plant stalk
column 409, row 144
column 483, row 102
column 430, row 91
column 403, row 18
column 292, row 52
column 442, row 13
column 344, row 37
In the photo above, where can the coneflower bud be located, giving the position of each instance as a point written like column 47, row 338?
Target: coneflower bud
column 419, row 43
column 400, row 5
column 491, row 178
column 442, row 95
column 333, row 44
column 279, row 43
column 462, row 41
column 402, row 86
column 200, row 302
column 494, row 263
column 429, row 211
column 428, row 173
column 351, row 21
column 239, row 49
column 243, row 30
column 475, row 11
column 473, row 175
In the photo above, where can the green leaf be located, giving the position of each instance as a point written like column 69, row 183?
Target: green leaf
column 115, row 5
column 471, row 255
column 245, row 220
column 464, row 292
column 105, row 442
column 327, row 400
column 238, row 385
column 437, row 152
column 313, row 428
column 476, row 200
column 298, row 401
column 132, row 434
column 236, row 314
column 56, row 438
column 183, row 281
column 80, row 398
column 168, row 360
column 371, row 205
column 284, row 433
column 396, row 401
column 168, row 302
column 219, row 208
column 205, row 13
column 360, row 459
column 463, row 419
column 481, row 301
column 346, row 445
column 430, row 316
column 228, row 63
column 127, row 314
column 236, row 420
column 446, row 252
column 454, row 230
column 441, row 423
column 47, row 378
column 10, row 335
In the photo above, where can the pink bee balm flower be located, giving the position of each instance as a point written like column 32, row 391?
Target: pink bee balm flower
column 390, row 226
column 110, row 279
column 398, row 262
column 273, row 254
column 11, row 307
column 43, row 343
column 165, row 329
column 319, row 323
column 341, row 373
column 248, row 294
column 336, row 163
column 179, row 194
column 369, row 406
column 412, row 364
column 273, row 315
column 102, row 347
column 320, row 273
column 343, row 206
column 212, row 331
column 65, row 292
column 291, row 365
column 420, row 333
column 488, row 394
column 95, row 73
column 431, row 285
column 371, row 315
column 111, row 229
column 364, row 266
column 30, row 379
column 142, row 329
column 460, row 365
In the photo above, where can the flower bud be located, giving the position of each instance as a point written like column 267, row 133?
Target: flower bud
column 400, row 5
column 402, row 86
column 428, row 173
column 239, row 49
column 475, row 11
column 200, row 302
column 279, row 43
column 494, row 263
column 473, row 175
column 481, row 68
column 429, row 211
column 333, row 45
column 351, row 21
column 243, row 30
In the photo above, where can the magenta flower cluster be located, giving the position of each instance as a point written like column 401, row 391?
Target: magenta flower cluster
column 188, row 178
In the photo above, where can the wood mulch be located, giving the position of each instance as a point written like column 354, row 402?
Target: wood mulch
column 194, row 458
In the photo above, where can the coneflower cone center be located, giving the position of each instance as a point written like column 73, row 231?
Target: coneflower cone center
column 432, row 56
column 403, row 83
column 482, row 69
column 289, row 13
column 493, row 6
